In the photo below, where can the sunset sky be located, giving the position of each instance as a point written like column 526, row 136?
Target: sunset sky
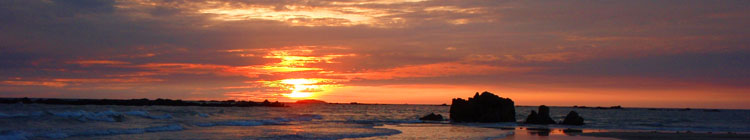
column 633, row 53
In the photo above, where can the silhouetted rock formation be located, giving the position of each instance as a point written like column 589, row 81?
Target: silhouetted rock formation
column 432, row 117
column 486, row 107
column 540, row 118
column 140, row 102
column 611, row 107
column 599, row 107
column 533, row 117
column 573, row 119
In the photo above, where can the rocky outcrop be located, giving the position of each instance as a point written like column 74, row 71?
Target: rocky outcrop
column 485, row 107
column 573, row 119
column 540, row 118
column 432, row 117
column 139, row 102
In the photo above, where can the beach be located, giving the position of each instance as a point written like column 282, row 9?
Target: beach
column 348, row 121
column 668, row 136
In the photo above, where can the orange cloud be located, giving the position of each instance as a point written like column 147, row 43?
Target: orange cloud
column 63, row 82
column 98, row 62
column 254, row 95
column 183, row 67
column 35, row 83
column 301, row 55
column 434, row 70
column 108, row 80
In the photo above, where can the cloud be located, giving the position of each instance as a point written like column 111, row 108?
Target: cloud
column 34, row 83
column 98, row 62
column 435, row 70
column 209, row 49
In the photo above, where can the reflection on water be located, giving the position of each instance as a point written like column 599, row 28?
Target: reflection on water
column 326, row 121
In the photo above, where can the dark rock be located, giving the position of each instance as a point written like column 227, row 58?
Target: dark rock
column 486, row 107
column 540, row 118
column 573, row 119
column 432, row 117
column 533, row 117
column 569, row 130
column 539, row 131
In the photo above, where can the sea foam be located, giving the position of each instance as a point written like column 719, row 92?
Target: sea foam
column 274, row 121
column 104, row 132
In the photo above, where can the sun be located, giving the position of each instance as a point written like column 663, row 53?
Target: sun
column 302, row 88
column 300, row 81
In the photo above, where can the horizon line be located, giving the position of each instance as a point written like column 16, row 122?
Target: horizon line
column 368, row 103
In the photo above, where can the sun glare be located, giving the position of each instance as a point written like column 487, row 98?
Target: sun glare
column 303, row 88
column 299, row 81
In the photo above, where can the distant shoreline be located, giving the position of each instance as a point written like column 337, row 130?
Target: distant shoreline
column 140, row 102
column 228, row 103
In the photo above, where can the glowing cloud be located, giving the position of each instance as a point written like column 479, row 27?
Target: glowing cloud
column 434, row 70
column 298, row 15
column 98, row 62
column 301, row 88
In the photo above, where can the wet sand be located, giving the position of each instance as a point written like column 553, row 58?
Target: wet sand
column 470, row 132
column 668, row 136
column 476, row 131
column 423, row 131
column 522, row 133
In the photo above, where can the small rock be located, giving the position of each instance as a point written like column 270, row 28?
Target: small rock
column 432, row 117
column 573, row 119
column 540, row 118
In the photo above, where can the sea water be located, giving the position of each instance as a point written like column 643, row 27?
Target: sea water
column 322, row 121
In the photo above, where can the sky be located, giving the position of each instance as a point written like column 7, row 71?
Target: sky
column 634, row 53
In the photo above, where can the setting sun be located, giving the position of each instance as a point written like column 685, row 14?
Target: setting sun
column 374, row 69
column 302, row 88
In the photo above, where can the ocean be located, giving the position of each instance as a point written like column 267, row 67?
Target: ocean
column 325, row 121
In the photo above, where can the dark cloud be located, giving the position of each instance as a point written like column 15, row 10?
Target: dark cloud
column 701, row 67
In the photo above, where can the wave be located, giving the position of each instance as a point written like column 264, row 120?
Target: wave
column 59, row 135
column 382, row 121
column 21, row 115
column 13, row 135
column 80, row 115
column 21, row 135
column 274, row 121
column 381, row 132
column 109, row 116
column 145, row 114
